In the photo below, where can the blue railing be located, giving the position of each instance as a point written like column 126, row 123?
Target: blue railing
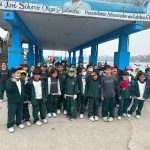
column 131, row 6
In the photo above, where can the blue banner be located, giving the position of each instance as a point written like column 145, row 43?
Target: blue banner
column 129, row 6
column 137, row 10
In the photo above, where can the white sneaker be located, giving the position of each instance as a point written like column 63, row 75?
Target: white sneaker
column 148, row 100
column 124, row 115
column 54, row 115
column 11, row 130
column 44, row 121
column 38, row 123
column 128, row 115
column 21, row 126
column 119, row 118
column 110, row 119
column 58, row 111
column 117, row 105
column 1, row 100
column 92, row 119
column 71, row 119
column 96, row 118
column 81, row 116
column 105, row 119
column 39, row 114
column 28, row 124
column 137, row 117
column 65, row 112
column 49, row 115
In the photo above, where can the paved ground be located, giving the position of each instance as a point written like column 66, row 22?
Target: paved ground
column 62, row 134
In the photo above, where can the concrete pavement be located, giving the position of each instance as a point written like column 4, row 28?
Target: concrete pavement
column 80, row 134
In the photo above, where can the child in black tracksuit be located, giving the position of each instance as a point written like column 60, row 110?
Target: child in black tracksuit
column 37, row 94
column 71, row 91
column 109, row 87
column 62, row 79
column 125, row 95
column 53, row 87
column 93, row 94
column 4, row 76
column 141, row 92
column 81, row 95
column 15, row 89
column 26, row 114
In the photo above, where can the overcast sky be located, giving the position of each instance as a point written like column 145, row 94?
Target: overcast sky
column 139, row 44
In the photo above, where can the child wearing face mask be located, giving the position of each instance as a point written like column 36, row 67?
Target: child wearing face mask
column 71, row 91
column 89, row 70
column 15, row 89
column 81, row 96
column 93, row 93
column 129, row 69
column 141, row 92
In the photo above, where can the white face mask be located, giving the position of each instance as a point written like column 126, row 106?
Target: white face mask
column 17, row 77
column 129, row 71
column 90, row 69
column 71, row 75
column 84, row 73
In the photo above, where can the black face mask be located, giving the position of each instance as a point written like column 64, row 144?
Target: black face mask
column 141, row 81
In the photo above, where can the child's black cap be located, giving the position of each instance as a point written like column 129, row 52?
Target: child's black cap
column 37, row 71
column 14, row 69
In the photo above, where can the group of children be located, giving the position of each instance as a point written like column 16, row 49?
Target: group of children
column 51, row 90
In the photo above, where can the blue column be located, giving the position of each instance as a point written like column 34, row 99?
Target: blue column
column 30, row 55
column 81, row 58
column 15, row 52
column 122, row 57
column 36, row 55
column 42, row 57
column 93, row 57
column 74, row 58
column 69, row 58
